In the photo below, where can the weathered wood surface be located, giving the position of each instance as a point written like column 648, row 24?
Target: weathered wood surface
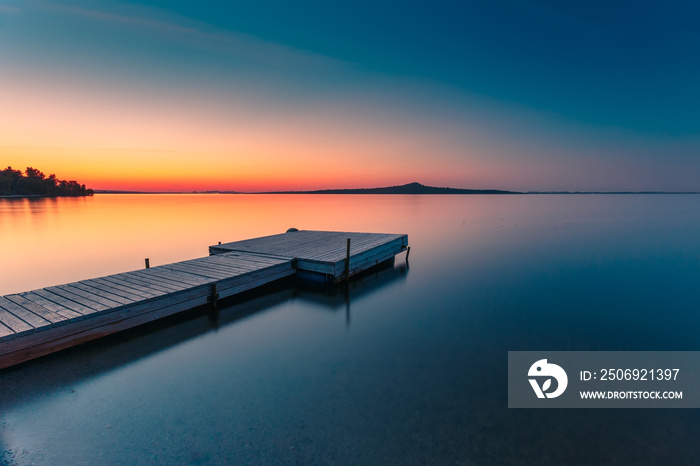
column 322, row 252
column 39, row 322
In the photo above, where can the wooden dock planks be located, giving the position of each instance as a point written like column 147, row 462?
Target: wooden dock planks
column 322, row 252
column 39, row 322
column 73, row 313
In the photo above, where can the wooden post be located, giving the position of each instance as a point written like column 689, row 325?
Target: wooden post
column 148, row 263
column 213, row 297
column 347, row 261
column 408, row 251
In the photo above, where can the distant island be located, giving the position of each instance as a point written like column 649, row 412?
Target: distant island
column 410, row 188
column 34, row 183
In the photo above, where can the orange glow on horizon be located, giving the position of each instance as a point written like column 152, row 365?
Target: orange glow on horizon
column 135, row 171
column 133, row 142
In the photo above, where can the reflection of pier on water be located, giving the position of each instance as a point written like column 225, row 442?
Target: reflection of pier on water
column 339, row 297
column 62, row 370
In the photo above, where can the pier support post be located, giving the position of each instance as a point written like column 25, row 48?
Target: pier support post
column 213, row 298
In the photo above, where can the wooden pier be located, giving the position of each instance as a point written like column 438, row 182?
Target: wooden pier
column 322, row 255
column 39, row 322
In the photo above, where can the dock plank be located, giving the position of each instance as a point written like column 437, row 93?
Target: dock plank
column 86, row 311
column 103, row 293
column 196, row 271
column 263, row 258
column 236, row 262
column 26, row 315
column 124, row 283
column 77, row 299
column 14, row 323
column 57, row 308
column 223, row 267
column 116, row 289
column 207, row 264
column 47, row 314
column 180, row 279
column 94, row 297
column 6, row 333
column 219, row 268
column 176, row 277
column 155, row 282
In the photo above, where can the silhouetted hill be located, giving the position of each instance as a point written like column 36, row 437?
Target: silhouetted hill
column 410, row 188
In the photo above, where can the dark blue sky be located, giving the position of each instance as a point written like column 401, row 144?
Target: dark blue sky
column 632, row 65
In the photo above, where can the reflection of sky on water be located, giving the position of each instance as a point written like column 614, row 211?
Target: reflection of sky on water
column 418, row 376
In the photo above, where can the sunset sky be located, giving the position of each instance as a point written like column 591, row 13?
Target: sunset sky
column 174, row 95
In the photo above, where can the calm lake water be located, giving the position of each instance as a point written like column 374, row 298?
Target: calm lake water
column 408, row 366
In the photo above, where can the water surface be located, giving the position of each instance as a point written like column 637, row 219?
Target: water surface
column 408, row 366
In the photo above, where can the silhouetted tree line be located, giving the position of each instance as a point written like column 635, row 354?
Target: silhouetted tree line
column 33, row 181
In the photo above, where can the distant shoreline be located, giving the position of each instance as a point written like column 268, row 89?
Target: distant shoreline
column 409, row 194
column 410, row 188
column 47, row 196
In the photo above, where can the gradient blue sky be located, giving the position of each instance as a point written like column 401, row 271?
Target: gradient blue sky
column 524, row 95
